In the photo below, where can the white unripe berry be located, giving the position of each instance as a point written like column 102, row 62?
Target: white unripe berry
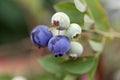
column 73, row 30
column 76, row 49
column 19, row 78
column 56, row 32
column 60, row 20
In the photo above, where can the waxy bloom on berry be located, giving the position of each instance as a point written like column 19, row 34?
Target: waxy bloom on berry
column 76, row 49
column 40, row 35
column 56, row 32
column 60, row 20
column 59, row 45
column 73, row 30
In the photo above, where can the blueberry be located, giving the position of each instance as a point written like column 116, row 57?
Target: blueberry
column 59, row 45
column 40, row 35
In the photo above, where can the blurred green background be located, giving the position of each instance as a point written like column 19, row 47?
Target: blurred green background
column 18, row 55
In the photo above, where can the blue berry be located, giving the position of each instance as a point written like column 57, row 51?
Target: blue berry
column 59, row 45
column 40, row 35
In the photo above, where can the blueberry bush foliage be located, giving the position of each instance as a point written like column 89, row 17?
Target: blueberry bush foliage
column 95, row 32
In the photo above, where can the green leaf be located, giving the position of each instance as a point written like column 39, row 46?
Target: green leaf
column 98, row 13
column 96, row 45
column 44, row 76
column 91, row 73
column 70, row 9
column 52, row 64
column 60, row 65
column 79, row 66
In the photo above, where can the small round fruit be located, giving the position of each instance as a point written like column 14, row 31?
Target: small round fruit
column 59, row 45
column 76, row 49
column 40, row 35
column 60, row 20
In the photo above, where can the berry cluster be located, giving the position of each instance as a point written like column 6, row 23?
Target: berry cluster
column 59, row 37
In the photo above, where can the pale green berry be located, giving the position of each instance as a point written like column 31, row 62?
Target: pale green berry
column 88, row 22
column 76, row 49
column 19, row 78
column 73, row 30
column 80, row 6
column 56, row 32
column 60, row 20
